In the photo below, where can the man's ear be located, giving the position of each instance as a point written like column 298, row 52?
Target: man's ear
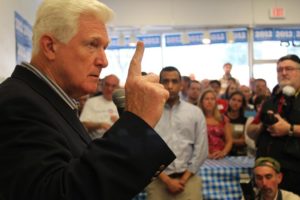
column 181, row 85
column 48, row 46
column 279, row 177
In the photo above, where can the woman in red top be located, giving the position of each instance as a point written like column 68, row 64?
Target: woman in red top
column 218, row 127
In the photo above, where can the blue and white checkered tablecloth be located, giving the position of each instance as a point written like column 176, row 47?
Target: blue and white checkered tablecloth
column 221, row 178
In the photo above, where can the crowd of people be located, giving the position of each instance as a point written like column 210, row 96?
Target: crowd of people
column 226, row 113
column 234, row 123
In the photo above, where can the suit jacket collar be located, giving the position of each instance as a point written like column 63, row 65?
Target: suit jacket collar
column 42, row 88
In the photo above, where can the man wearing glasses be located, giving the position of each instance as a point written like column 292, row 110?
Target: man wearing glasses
column 279, row 123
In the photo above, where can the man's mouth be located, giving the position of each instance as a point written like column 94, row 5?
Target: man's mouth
column 95, row 75
column 266, row 190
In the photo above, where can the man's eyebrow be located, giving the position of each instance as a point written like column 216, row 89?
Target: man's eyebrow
column 170, row 79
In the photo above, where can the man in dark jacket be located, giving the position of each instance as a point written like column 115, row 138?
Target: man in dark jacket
column 278, row 123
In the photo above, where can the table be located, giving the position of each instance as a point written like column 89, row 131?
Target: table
column 221, row 178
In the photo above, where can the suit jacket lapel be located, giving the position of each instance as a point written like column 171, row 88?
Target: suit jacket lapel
column 53, row 98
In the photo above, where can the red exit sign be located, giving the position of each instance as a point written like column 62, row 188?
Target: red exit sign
column 277, row 13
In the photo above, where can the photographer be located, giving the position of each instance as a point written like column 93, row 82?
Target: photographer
column 277, row 127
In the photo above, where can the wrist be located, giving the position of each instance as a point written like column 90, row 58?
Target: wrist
column 164, row 178
column 183, row 180
column 291, row 130
column 223, row 153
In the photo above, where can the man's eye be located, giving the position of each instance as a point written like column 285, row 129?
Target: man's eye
column 93, row 44
column 269, row 176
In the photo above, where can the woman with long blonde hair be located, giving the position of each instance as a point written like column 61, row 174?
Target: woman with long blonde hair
column 218, row 127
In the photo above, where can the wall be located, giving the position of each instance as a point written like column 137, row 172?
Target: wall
column 205, row 13
column 7, row 33
column 166, row 13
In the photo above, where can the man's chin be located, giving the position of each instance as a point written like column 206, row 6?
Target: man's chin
column 266, row 191
column 173, row 97
column 91, row 89
column 284, row 83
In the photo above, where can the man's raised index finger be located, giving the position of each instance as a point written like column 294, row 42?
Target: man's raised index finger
column 136, row 61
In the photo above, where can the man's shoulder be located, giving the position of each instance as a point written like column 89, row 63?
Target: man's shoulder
column 286, row 195
column 191, row 109
column 189, row 105
column 95, row 99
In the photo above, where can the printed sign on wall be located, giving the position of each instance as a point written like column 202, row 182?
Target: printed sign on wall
column 276, row 34
column 23, row 33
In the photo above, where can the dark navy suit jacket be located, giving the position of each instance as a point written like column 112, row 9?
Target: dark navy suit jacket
column 45, row 152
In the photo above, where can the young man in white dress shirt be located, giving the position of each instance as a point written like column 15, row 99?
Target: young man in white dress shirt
column 183, row 127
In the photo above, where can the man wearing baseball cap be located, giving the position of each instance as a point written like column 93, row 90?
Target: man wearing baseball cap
column 267, row 177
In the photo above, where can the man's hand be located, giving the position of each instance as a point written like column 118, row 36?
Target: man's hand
column 104, row 125
column 114, row 118
column 174, row 186
column 145, row 97
column 280, row 128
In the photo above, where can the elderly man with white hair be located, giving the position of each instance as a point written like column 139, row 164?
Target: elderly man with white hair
column 46, row 153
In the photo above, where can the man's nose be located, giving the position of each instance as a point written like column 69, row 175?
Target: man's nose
column 169, row 84
column 264, row 181
column 101, row 59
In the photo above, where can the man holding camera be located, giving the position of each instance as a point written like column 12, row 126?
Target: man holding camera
column 277, row 125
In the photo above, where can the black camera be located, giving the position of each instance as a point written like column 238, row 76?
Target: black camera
column 269, row 119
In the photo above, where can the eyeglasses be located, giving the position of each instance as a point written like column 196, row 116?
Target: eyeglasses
column 287, row 69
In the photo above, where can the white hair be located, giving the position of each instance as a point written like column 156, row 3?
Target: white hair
column 60, row 18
